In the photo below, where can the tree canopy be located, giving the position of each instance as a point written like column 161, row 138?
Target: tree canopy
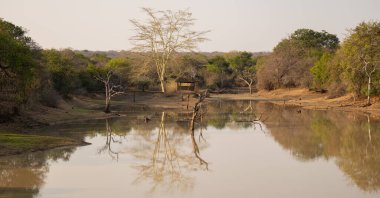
column 164, row 34
column 290, row 63
column 18, row 54
column 361, row 57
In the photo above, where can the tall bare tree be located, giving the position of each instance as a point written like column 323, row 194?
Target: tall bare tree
column 108, row 75
column 164, row 34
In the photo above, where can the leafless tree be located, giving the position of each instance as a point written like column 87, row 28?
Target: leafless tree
column 111, row 88
column 164, row 34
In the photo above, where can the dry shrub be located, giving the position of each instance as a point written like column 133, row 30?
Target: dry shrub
column 212, row 80
column 265, row 84
column 337, row 90
column 50, row 98
column 265, row 79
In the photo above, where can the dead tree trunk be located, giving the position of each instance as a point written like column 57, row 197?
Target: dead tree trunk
column 194, row 117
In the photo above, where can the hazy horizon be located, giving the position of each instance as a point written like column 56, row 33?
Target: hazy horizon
column 244, row 25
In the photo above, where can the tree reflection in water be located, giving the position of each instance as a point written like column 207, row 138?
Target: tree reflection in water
column 352, row 140
column 168, row 155
column 250, row 118
column 170, row 165
column 23, row 175
column 359, row 157
column 111, row 139
column 197, row 116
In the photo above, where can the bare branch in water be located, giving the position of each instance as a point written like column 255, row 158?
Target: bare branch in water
column 196, row 112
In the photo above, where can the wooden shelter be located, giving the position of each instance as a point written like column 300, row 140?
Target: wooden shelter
column 186, row 84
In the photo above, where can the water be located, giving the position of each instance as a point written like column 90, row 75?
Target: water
column 291, row 152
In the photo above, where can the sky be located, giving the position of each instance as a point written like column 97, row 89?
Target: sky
column 243, row 25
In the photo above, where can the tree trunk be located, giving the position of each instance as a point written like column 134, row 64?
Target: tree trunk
column 369, row 91
column 108, row 98
column 250, row 89
column 107, row 109
column 108, row 104
column 162, row 81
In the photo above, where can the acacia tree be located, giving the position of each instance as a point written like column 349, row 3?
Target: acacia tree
column 244, row 67
column 164, row 34
column 109, row 75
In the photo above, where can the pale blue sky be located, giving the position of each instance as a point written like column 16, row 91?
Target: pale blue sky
column 253, row 25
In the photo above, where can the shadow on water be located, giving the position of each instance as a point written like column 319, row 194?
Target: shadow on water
column 23, row 175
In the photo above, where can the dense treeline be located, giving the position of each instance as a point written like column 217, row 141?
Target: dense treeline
column 31, row 75
column 317, row 60
column 307, row 58
column 292, row 58
column 19, row 57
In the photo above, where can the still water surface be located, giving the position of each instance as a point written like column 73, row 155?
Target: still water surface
column 289, row 153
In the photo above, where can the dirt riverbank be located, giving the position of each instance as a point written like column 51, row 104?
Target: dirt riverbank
column 91, row 107
column 80, row 108
column 310, row 100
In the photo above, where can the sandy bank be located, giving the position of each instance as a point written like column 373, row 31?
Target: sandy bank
column 310, row 100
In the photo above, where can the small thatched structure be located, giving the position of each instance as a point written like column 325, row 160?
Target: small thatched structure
column 186, row 83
